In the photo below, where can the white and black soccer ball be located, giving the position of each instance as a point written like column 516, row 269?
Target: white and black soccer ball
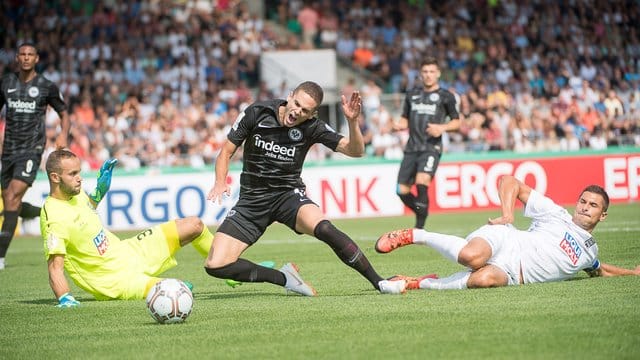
column 169, row 301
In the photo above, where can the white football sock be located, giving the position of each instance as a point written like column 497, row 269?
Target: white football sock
column 456, row 281
column 448, row 246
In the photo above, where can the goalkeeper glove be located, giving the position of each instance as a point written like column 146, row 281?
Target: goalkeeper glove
column 67, row 300
column 104, row 180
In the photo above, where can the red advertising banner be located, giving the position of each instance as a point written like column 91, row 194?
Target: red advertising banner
column 473, row 185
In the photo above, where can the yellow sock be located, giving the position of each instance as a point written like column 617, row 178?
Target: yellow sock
column 170, row 230
column 203, row 242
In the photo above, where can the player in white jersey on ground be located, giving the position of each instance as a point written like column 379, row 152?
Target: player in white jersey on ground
column 557, row 245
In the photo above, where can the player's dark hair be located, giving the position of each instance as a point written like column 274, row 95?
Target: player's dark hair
column 314, row 90
column 597, row 189
column 29, row 44
column 429, row 60
column 54, row 161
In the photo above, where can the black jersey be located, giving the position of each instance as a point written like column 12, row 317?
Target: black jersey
column 425, row 107
column 274, row 154
column 25, row 112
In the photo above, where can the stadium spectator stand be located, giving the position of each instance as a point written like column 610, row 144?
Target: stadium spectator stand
column 158, row 83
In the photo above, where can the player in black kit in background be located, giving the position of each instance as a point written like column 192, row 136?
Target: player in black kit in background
column 27, row 95
column 428, row 112
column 277, row 135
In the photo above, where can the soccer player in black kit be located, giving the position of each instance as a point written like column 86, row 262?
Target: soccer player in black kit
column 428, row 112
column 277, row 135
column 26, row 95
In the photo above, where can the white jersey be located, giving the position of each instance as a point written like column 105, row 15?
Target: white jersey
column 554, row 248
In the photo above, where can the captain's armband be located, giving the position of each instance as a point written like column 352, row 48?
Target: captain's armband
column 594, row 270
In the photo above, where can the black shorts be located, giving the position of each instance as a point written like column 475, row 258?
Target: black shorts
column 251, row 216
column 23, row 166
column 415, row 162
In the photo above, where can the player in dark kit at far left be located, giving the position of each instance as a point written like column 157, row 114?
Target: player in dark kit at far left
column 277, row 134
column 26, row 95
column 429, row 111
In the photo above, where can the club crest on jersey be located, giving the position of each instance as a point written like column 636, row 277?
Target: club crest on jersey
column 33, row 91
column 295, row 134
column 571, row 247
column 434, row 97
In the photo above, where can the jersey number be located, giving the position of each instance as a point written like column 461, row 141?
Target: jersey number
column 28, row 166
column 143, row 234
column 430, row 161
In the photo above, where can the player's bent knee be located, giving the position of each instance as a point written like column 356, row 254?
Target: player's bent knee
column 475, row 254
column 197, row 224
column 487, row 277
column 191, row 225
column 471, row 258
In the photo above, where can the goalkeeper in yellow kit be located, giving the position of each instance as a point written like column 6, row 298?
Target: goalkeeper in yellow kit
column 94, row 258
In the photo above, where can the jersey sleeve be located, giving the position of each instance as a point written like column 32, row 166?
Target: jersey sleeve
column 406, row 106
column 54, row 235
column 326, row 135
column 450, row 106
column 539, row 206
column 3, row 87
column 55, row 98
column 242, row 127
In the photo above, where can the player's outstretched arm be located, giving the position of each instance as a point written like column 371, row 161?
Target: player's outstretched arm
column 58, row 282
column 220, row 187
column 510, row 189
column 608, row 270
column 354, row 145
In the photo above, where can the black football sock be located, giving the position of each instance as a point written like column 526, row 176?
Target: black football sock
column 8, row 229
column 246, row 271
column 28, row 211
column 347, row 250
column 409, row 200
column 422, row 206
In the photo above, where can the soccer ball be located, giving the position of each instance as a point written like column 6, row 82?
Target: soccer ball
column 169, row 301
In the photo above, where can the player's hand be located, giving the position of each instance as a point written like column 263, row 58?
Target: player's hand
column 502, row 220
column 435, row 130
column 67, row 300
column 352, row 108
column 104, row 180
column 216, row 192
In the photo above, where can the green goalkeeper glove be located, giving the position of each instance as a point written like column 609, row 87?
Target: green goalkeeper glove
column 104, row 180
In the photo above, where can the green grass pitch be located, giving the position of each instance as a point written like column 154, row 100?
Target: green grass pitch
column 582, row 319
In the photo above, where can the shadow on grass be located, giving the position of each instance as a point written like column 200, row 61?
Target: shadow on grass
column 52, row 301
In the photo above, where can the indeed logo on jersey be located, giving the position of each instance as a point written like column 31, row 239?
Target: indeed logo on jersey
column 274, row 150
column 424, row 109
column 101, row 242
column 20, row 106
column 571, row 247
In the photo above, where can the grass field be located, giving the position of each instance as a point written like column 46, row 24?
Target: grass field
column 587, row 318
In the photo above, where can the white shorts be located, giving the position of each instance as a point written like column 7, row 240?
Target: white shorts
column 505, row 249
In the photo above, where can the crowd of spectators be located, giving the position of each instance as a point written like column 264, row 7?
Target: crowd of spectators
column 158, row 82
column 529, row 75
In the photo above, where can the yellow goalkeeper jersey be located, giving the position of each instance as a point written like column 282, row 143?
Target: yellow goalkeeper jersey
column 95, row 259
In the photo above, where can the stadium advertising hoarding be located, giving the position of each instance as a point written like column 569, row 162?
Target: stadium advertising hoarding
column 367, row 190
